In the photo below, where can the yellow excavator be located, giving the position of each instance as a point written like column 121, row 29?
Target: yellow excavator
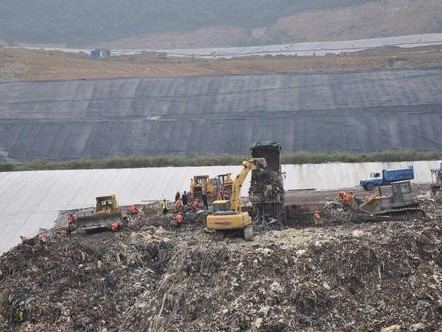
column 227, row 214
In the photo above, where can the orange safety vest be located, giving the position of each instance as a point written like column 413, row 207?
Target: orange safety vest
column 134, row 209
column 179, row 219
column 42, row 237
column 115, row 226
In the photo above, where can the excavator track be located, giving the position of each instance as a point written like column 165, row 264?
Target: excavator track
column 393, row 214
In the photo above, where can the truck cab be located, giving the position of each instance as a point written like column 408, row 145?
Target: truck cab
column 375, row 180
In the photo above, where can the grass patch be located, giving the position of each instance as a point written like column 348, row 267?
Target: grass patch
column 220, row 160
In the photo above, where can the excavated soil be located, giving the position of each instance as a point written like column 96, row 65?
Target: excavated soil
column 154, row 277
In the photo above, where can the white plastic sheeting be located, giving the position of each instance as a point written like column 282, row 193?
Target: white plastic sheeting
column 32, row 200
column 299, row 49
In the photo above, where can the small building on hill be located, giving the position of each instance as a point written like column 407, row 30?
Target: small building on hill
column 100, row 53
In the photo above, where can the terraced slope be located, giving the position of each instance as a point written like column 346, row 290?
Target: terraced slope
column 355, row 112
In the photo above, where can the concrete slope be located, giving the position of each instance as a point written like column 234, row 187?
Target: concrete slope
column 31, row 200
column 355, row 112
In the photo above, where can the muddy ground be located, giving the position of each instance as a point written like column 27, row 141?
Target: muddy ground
column 340, row 276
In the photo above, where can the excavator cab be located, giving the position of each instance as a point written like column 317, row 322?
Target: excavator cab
column 222, row 207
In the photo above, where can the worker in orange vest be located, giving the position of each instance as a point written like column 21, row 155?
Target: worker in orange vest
column 346, row 197
column 71, row 217
column 179, row 204
column 42, row 237
column 179, row 219
column 196, row 205
column 71, row 224
column 316, row 216
column 133, row 210
column 116, row 226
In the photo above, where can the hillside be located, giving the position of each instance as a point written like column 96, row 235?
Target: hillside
column 25, row 64
column 371, row 19
column 89, row 21
column 196, row 23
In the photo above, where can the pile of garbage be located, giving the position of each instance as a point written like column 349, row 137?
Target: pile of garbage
column 382, row 275
column 152, row 276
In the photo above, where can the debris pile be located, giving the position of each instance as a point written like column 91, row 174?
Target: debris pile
column 154, row 277
column 266, row 186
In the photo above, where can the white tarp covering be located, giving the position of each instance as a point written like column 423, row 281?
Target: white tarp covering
column 32, row 200
column 298, row 49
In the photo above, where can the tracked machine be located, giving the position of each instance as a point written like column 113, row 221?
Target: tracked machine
column 224, row 184
column 227, row 215
column 106, row 213
column 392, row 201
column 201, row 185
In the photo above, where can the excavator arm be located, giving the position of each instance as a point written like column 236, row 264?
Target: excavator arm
column 248, row 165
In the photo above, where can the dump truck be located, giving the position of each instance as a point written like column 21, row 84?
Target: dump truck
column 386, row 177
column 106, row 212
column 227, row 214
column 266, row 193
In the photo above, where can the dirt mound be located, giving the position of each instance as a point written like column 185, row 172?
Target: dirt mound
column 154, row 277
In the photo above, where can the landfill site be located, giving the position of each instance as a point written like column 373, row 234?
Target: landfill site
column 258, row 246
column 210, row 260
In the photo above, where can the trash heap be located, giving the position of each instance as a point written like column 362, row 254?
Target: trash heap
column 154, row 277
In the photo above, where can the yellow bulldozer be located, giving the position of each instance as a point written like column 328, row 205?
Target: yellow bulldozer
column 227, row 214
column 224, row 184
column 199, row 185
column 106, row 213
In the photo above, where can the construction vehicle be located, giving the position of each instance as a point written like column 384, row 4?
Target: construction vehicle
column 227, row 214
column 201, row 184
column 436, row 185
column 224, row 184
column 106, row 213
column 392, row 200
column 266, row 193
column 386, row 177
